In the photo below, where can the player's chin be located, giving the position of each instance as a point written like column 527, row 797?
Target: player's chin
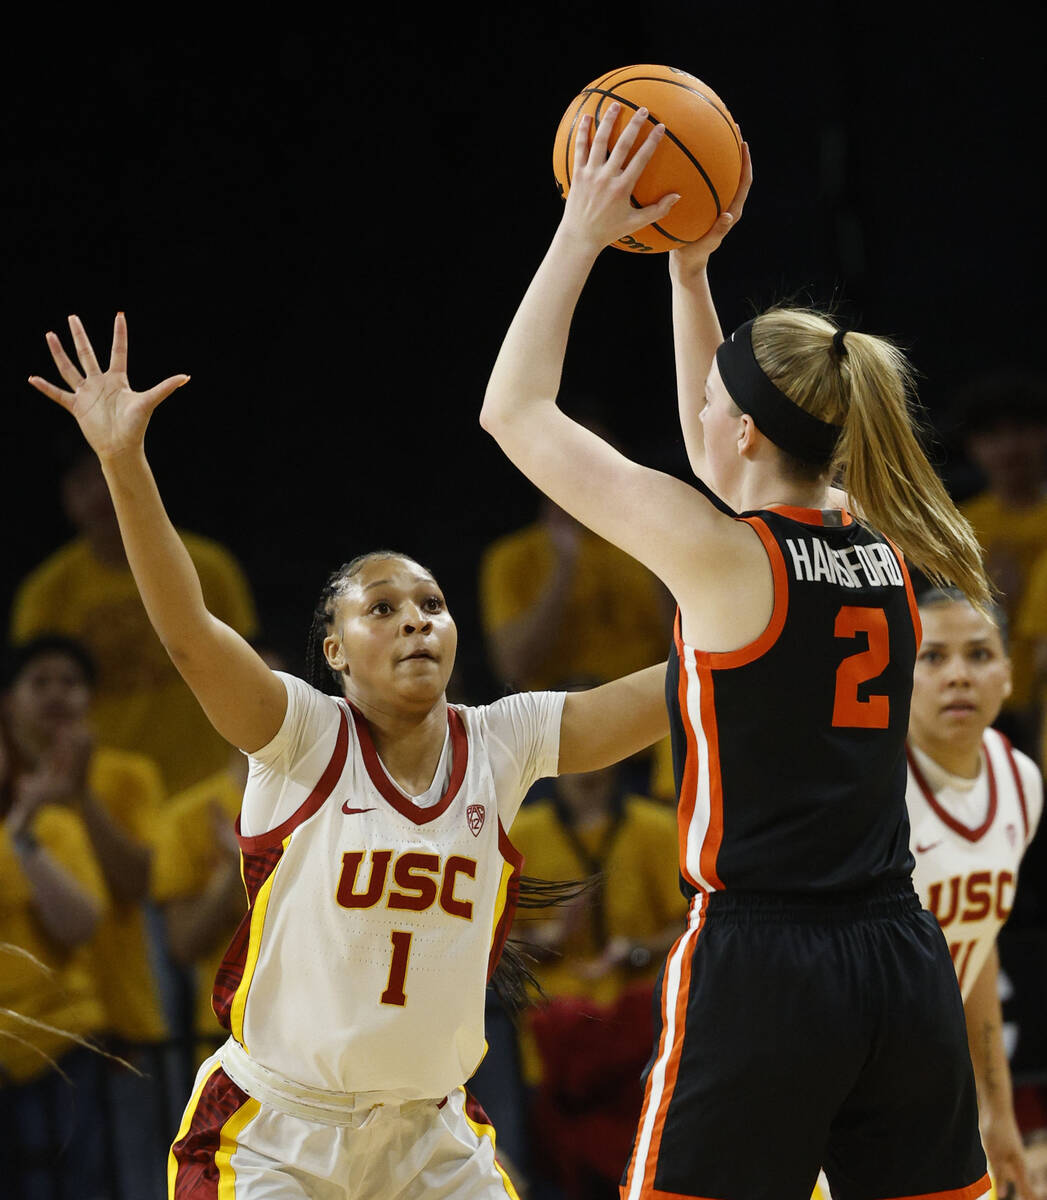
column 422, row 686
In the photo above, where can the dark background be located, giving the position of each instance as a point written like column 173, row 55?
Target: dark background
column 328, row 221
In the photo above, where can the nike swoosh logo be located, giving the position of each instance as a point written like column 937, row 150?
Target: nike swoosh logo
column 347, row 810
column 931, row 846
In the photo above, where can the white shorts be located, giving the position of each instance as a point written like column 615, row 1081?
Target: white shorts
column 232, row 1145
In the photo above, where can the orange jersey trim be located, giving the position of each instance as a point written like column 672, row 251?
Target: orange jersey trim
column 725, row 659
column 810, row 516
column 714, row 832
column 971, row 1192
column 689, row 782
column 910, row 594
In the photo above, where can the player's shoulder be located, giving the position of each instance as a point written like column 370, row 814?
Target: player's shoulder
column 1032, row 785
column 1029, row 774
column 310, row 714
column 508, row 710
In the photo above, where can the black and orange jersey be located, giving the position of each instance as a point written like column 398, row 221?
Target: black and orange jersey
column 789, row 753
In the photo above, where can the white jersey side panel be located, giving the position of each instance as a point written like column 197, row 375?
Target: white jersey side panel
column 374, row 917
column 968, row 844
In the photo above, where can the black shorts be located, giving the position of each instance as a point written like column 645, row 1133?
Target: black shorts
column 793, row 1033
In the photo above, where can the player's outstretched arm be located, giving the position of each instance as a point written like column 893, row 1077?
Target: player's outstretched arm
column 243, row 699
column 605, row 724
column 648, row 514
column 696, row 327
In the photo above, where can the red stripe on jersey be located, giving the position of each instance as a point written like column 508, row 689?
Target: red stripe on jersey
column 256, row 870
column 513, row 856
column 474, row 1110
column 389, row 790
column 946, row 817
column 1020, row 787
column 312, row 803
column 197, row 1176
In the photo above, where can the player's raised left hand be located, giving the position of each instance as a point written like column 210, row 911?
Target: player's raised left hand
column 694, row 257
column 111, row 416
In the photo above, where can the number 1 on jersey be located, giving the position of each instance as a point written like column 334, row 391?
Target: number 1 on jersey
column 848, row 710
column 394, row 989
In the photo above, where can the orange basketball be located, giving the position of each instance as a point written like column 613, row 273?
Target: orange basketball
column 700, row 156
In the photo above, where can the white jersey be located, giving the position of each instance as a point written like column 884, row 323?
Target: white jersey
column 375, row 918
column 968, row 837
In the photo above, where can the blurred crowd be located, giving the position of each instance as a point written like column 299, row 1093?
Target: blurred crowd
column 120, row 885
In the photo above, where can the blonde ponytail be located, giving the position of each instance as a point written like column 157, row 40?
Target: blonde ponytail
column 879, row 460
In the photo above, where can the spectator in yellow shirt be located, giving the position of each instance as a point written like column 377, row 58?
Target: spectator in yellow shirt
column 85, row 590
column 52, row 898
column 116, row 797
column 556, row 601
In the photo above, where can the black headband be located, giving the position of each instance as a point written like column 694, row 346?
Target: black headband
column 786, row 424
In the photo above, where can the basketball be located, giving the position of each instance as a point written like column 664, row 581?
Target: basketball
column 700, row 156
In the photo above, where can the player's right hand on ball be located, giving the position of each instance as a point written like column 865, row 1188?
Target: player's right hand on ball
column 112, row 417
column 599, row 209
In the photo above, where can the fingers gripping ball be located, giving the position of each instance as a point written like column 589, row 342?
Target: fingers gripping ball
column 700, row 156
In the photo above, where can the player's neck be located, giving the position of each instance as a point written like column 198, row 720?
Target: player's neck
column 762, row 488
column 409, row 745
column 956, row 758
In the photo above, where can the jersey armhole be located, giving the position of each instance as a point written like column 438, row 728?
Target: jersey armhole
column 725, row 659
column 311, row 804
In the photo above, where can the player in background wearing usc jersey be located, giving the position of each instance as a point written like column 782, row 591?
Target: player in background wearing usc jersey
column 789, row 695
column 974, row 805
column 379, row 875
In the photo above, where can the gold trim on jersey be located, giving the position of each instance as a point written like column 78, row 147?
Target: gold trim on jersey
column 254, row 945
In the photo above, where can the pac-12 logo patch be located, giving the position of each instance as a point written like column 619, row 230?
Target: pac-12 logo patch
column 475, row 815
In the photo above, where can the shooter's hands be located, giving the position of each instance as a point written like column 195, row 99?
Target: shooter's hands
column 598, row 208
column 692, row 259
column 111, row 416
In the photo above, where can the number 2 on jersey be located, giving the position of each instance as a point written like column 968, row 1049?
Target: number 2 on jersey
column 848, row 710
column 394, row 989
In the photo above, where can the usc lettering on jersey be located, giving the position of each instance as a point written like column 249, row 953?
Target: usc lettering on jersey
column 968, row 838
column 374, row 921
